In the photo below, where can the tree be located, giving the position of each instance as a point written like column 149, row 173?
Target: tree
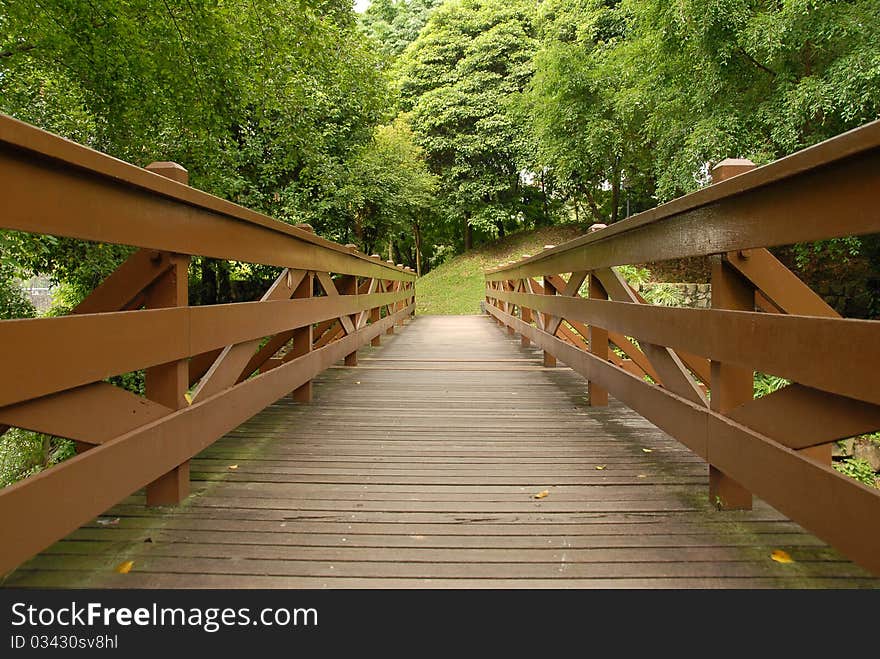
column 461, row 79
column 391, row 194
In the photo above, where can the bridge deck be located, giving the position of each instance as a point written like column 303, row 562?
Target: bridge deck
column 419, row 468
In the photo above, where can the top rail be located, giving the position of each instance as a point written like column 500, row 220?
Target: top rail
column 825, row 191
column 58, row 187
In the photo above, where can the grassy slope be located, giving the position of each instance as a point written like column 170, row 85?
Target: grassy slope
column 457, row 286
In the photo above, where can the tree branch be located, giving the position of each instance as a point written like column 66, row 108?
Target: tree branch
column 755, row 62
column 17, row 50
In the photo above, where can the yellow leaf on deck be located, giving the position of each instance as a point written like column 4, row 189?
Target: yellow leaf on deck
column 125, row 568
column 542, row 494
column 600, row 467
column 781, row 556
column 647, row 450
column 189, row 398
column 233, row 467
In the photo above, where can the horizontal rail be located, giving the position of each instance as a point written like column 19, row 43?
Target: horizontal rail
column 57, row 187
column 839, row 510
column 206, row 369
column 99, row 478
column 759, row 341
column 46, row 355
column 826, row 191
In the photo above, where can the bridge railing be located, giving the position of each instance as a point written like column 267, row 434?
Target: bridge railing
column 207, row 368
column 690, row 371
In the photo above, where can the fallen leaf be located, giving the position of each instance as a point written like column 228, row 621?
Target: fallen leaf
column 125, row 568
column 781, row 556
column 642, row 476
column 232, row 467
column 647, row 450
column 106, row 521
column 542, row 494
column 600, row 467
column 189, row 398
column 148, row 540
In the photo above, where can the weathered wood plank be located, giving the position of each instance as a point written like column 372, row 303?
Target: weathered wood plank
column 418, row 469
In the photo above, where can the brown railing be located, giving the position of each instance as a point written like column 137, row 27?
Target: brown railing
column 690, row 371
column 208, row 368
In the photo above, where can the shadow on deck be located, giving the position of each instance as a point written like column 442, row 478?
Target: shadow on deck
column 419, row 468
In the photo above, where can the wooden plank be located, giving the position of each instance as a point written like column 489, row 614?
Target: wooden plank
column 232, row 362
column 410, row 468
column 113, row 470
column 752, row 459
column 72, row 413
column 74, row 350
column 756, row 340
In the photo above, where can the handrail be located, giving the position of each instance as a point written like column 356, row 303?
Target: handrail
column 690, row 371
column 753, row 209
column 44, row 173
column 207, row 368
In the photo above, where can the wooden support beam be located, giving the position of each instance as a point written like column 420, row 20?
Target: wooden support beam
column 302, row 339
column 167, row 384
column 598, row 345
column 731, row 385
column 549, row 289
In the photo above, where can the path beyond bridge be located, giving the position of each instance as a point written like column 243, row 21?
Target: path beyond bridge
column 419, row 468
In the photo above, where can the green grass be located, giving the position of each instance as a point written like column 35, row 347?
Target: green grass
column 457, row 286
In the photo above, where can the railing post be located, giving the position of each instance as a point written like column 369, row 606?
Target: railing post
column 510, row 307
column 167, row 383
column 730, row 385
column 303, row 338
column 549, row 289
column 598, row 344
column 351, row 288
column 526, row 314
column 391, row 286
column 376, row 315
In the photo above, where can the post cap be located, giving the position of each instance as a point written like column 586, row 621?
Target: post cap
column 306, row 227
column 170, row 170
column 598, row 226
column 730, row 167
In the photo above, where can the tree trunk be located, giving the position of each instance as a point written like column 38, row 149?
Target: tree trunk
column 544, row 198
column 468, row 234
column 224, row 283
column 417, row 239
column 208, row 294
column 615, row 191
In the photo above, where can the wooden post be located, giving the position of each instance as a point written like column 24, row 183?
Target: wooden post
column 549, row 289
column 391, row 286
column 303, row 338
column 167, row 383
column 527, row 319
column 598, row 344
column 510, row 307
column 730, row 385
column 350, row 287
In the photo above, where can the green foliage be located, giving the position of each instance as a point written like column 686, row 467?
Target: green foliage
column 390, row 193
column 396, row 23
column 667, row 295
column 24, row 453
column 766, row 384
column 857, row 469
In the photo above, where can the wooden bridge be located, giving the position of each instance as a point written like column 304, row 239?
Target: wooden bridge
column 323, row 436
